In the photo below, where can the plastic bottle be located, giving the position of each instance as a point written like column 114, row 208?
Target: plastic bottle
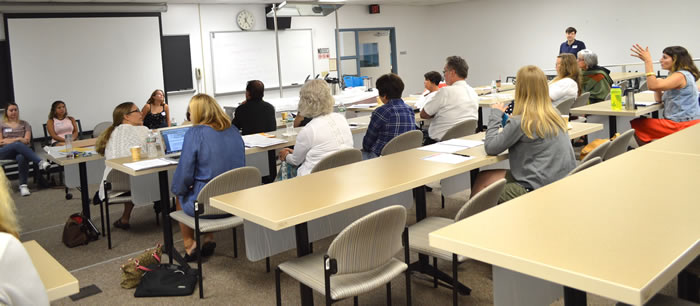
column 151, row 145
column 173, row 122
column 616, row 98
column 494, row 88
column 342, row 109
column 69, row 146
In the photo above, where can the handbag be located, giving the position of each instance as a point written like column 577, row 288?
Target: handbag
column 166, row 280
column 76, row 231
column 286, row 171
column 594, row 144
column 133, row 270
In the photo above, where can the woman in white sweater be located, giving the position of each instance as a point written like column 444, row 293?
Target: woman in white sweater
column 327, row 132
column 567, row 84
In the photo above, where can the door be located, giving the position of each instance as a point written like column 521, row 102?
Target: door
column 368, row 52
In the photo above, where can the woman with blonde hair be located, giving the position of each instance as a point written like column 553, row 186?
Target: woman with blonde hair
column 535, row 137
column 327, row 132
column 156, row 113
column 19, row 281
column 211, row 147
column 567, row 84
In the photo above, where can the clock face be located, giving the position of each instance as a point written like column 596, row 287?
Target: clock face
column 245, row 20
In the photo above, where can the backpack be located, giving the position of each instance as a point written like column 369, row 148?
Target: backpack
column 166, row 280
column 76, row 231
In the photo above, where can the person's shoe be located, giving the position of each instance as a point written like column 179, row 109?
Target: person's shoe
column 43, row 165
column 24, row 190
column 208, row 248
column 119, row 224
column 192, row 257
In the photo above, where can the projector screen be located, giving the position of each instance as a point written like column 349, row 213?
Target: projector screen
column 91, row 63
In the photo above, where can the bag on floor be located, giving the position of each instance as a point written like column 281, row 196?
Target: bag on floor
column 594, row 144
column 166, row 280
column 133, row 270
column 77, row 232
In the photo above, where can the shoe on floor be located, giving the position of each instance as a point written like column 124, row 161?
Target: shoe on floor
column 43, row 165
column 192, row 257
column 24, row 190
column 119, row 224
column 208, row 248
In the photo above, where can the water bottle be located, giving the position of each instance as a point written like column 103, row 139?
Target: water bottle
column 173, row 122
column 159, row 147
column 151, row 145
column 69, row 146
column 616, row 98
column 494, row 88
column 290, row 125
column 342, row 109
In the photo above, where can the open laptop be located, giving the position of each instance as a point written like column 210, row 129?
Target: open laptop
column 172, row 140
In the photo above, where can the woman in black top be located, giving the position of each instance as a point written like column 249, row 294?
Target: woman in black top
column 156, row 113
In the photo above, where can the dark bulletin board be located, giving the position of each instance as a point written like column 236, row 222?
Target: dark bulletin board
column 5, row 86
column 177, row 62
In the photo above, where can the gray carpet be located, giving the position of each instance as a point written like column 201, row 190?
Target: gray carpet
column 227, row 280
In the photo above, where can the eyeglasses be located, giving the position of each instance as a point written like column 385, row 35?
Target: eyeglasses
column 133, row 111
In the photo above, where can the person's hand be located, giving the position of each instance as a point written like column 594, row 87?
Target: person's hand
column 641, row 53
column 284, row 152
column 500, row 106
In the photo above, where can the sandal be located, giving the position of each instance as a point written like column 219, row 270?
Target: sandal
column 208, row 248
column 119, row 224
column 192, row 257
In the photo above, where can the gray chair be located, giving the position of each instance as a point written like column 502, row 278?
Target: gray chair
column 619, row 145
column 99, row 128
column 589, row 163
column 461, row 129
column 227, row 182
column 337, row 159
column 418, row 232
column 360, row 259
column 406, row 141
column 582, row 100
column 116, row 188
column 565, row 106
column 644, row 86
column 597, row 152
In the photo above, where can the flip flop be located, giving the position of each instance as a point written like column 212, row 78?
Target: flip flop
column 124, row 226
column 192, row 257
column 208, row 248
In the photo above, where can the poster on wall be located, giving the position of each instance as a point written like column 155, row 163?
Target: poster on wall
column 324, row 53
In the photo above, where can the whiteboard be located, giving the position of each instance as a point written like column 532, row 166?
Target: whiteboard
column 241, row 56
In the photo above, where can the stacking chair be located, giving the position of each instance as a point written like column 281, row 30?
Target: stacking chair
column 597, row 152
column 117, row 191
column 99, row 128
column 461, row 129
column 582, row 100
column 619, row 145
column 565, row 106
column 589, row 163
column 360, row 259
column 227, row 182
column 418, row 232
column 337, row 159
column 405, row 141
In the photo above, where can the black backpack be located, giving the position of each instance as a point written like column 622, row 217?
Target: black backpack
column 166, row 280
column 76, row 231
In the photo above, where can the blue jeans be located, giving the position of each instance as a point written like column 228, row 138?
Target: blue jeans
column 368, row 155
column 22, row 154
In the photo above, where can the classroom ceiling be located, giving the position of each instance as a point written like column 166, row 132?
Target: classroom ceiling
column 387, row 2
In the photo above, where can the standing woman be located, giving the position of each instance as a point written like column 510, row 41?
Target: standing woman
column 126, row 131
column 677, row 92
column 211, row 147
column 567, row 84
column 60, row 124
column 156, row 113
column 15, row 139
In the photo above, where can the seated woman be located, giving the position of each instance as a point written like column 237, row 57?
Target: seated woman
column 60, row 124
column 326, row 133
column 567, row 84
column 15, row 140
column 677, row 92
column 596, row 80
column 211, row 147
column 126, row 131
column 156, row 113
column 535, row 137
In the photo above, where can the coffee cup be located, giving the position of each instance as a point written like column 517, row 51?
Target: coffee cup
column 136, row 153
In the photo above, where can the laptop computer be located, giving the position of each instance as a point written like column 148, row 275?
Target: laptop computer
column 172, row 140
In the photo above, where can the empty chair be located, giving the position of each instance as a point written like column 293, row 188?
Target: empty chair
column 461, row 129
column 597, row 152
column 582, row 100
column 117, row 188
column 227, row 182
column 565, row 106
column 619, row 145
column 403, row 142
column 99, row 128
column 360, row 259
column 337, row 159
column 418, row 232
column 585, row 165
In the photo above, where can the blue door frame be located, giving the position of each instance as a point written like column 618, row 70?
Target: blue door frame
column 356, row 57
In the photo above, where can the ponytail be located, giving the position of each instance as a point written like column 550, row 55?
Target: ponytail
column 103, row 139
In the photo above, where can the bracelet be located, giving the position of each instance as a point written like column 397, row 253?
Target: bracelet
column 650, row 74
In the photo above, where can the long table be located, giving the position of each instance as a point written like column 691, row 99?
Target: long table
column 59, row 283
column 686, row 141
column 604, row 108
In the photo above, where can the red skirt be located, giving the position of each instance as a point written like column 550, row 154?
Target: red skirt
column 648, row 129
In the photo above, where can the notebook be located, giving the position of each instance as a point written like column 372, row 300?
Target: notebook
column 172, row 140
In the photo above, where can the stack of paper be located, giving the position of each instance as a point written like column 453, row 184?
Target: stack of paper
column 150, row 163
column 452, row 145
column 448, row 158
column 257, row 140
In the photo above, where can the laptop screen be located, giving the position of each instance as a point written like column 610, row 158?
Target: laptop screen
column 173, row 139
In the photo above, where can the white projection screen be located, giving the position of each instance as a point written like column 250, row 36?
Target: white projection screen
column 91, row 63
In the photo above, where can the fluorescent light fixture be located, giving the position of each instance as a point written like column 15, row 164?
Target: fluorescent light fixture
column 82, row 7
column 306, row 8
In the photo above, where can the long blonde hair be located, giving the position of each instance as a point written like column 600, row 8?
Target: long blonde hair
column 8, row 219
column 117, row 118
column 569, row 69
column 205, row 110
column 533, row 104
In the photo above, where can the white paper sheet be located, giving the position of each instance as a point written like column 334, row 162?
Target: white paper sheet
column 448, row 158
column 464, row 143
column 441, row 148
column 366, row 105
column 257, row 140
column 150, row 163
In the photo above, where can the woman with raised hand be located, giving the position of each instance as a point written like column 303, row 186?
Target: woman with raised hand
column 156, row 113
column 60, row 124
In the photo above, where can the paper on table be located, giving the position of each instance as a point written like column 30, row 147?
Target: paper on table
column 448, row 158
column 150, row 163
column 464, row 143
column 441, row 148
column 363, row 105
column 257, row 140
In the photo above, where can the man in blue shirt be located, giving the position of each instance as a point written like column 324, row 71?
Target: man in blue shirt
column 571, row 45
column 389, row 120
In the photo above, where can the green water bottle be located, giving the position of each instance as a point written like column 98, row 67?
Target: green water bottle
column 616, row 98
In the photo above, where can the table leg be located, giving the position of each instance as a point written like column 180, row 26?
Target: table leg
column 480, row 121
column 165, row 210
column 613, row 125
column 272, row 165
column 301, row 232
column 85, row 196
column 655, row 114
column 574, row 297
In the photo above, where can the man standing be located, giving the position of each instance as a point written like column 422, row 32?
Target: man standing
column 452, row 104
column 255, row 115
column 571, row 45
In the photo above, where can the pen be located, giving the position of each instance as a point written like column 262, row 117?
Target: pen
column 460, row 154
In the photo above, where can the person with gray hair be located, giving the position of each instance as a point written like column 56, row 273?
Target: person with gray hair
column 327, row 132
column 596, row 79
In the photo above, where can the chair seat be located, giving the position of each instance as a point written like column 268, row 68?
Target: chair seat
column 418, row 234
column 309, row 271
column 207, row 225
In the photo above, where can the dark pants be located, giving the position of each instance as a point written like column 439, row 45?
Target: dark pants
column 426, row 138
column 22, row 154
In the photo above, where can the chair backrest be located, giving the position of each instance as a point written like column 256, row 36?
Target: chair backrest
column 337, row 159
column 227, row 182
column 582, row 100
column 461, row 129
column 403, row 142
column 599, row 151
column 587, row 164
column 644, row 86
column 100, row 127
column 565, row 106
column 510, row 79
column 619, row 145
column 369, row 242
column 485, row 199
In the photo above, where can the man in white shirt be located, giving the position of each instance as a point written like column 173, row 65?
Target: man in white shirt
column 452, row 104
